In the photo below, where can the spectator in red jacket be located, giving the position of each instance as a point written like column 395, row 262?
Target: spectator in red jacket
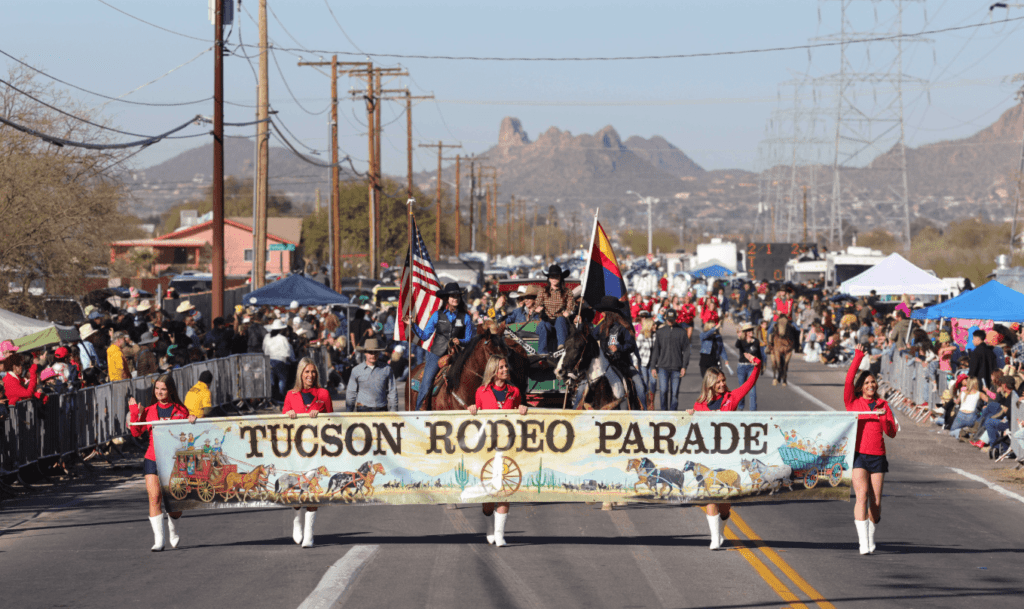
column 869, row 462
column 495, row 393
column 715, row 396
column 166, row 405
column 15, row 387
column 309, row 398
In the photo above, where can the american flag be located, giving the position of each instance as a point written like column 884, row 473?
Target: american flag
column 419, row 284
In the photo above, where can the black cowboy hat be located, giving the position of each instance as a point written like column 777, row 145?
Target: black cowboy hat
column 451, row 289
column 609, row 303
column 556, row 271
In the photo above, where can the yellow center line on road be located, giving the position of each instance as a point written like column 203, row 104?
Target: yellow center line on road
column 781, row 564
column 766, row 574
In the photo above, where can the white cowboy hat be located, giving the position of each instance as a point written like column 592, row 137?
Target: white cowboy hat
column 278, row 325
column 86, row 331
column 186, row 305
column 143, row 306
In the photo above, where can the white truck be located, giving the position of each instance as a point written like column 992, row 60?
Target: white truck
column 848, row 263
column 721, row 252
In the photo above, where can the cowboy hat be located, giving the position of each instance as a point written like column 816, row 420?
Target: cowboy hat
column 556, row 271
column 278, row 325
column 86, row 331
column 186, row 305
column 746, row 326
column 144, row 306
column 609, row 303
column 47, row 374
column 147, row 339
column 371, row 346
column 450, row 289
column 525, row 291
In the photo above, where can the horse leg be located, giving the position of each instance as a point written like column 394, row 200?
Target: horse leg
column 785, row 367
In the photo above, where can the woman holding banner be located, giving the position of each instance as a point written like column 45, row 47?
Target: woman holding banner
column 716, row 397
column 496, row 393
column 869, row 462
column 166, row 406
column 308, row 398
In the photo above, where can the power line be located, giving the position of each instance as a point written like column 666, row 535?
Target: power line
column 800, row 47
column 287, row 143
column 206, row 40
column 281, row 73
column 118, row 99
column 350, row 41
column 57, row 141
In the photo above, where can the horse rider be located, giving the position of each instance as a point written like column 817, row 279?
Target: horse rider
column 554, row 304
column 782, row 340
column 451, row 325
column 619, row 344
column 371, row 386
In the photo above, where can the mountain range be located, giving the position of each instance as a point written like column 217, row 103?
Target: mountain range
column 580, row 173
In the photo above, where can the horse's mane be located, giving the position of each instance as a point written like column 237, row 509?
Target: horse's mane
column 455, row 372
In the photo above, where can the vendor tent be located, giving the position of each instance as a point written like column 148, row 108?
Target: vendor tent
column 894, row 275
column 28, row 333
column 991, row 301
column 711, row 270
column 294, row 287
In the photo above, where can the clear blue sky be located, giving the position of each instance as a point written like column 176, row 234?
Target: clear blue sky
column 715, row 109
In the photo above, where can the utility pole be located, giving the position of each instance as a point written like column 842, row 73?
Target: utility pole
column 490, row 241
column 217, row 308
column 533, row 230
column 650, row 201
column 408, row 97
column 335, row 198
column 508, row 224
column 805, row 214
column 440, row 145
column 259, row 227
column 472, row 199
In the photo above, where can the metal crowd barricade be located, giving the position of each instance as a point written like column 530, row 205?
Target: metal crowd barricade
column 914, row 390
column 94, row 416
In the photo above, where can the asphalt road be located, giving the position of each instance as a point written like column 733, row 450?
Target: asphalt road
column 944, row 541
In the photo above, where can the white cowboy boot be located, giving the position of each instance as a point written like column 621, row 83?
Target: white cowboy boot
column 862, row 535
column 297, row 526
column 721, row 531
column 714, row 524
column 872, row 525
column 498, row 538
column 172, row 531
column 157, row 522
column 307, row 534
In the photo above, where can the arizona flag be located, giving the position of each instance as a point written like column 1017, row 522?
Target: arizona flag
column 602, row 276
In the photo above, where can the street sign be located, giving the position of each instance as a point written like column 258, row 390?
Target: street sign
column 281, row 247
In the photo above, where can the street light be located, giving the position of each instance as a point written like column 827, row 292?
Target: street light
column 650, row 201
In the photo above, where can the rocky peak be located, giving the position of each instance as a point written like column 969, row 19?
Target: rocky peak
column 609, row 137
column 511, row 133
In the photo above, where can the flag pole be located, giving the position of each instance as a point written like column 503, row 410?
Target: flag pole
column 583, row 284
column 408, row 324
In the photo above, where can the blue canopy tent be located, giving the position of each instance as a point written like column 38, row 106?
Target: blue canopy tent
column 715, row 270
column 294, row 287
column 991, row 301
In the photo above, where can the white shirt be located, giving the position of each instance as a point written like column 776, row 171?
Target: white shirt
column 969, row 402
column 277, row 347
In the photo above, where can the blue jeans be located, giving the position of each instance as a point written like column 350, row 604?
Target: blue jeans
column 744, row 372
column 544, row 328
column 430, row 369
column 962, row 420
column 668, row 389
column 645, row 375
column 278, row 376
column 995, row 429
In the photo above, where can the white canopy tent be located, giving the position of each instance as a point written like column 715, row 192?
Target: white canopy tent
column 894, row 275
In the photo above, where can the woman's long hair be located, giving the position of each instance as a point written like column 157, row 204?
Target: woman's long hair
column 707, row 388
column 492, row 368
column 858, row 383
column 172, row 389
column 298, row 374
column 609, row 320
column 647, row 327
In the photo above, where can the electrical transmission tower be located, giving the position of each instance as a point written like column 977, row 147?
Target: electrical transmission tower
column 869, row 134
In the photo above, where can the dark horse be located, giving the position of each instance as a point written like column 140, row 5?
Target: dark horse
column 464, row 376
column 583, row 362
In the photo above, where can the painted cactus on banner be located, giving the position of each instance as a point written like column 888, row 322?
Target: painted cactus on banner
column 500, row 456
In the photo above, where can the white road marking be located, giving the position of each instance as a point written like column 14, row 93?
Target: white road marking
column 338, row 578
column 991, row 485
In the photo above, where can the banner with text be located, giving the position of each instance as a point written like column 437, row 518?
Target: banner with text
column 453, row 457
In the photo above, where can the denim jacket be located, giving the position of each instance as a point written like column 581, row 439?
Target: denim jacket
column 708, row 340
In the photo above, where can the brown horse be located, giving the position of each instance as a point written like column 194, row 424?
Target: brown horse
column 782, row 341
column 241, row 484
column 464, row 375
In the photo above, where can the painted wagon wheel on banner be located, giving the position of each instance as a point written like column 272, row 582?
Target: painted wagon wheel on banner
column 837, row 475
column 178, row 488
column 811, row 478
column 205, row 491
column 511, row 476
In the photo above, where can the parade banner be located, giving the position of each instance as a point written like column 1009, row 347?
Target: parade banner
column 454, row 457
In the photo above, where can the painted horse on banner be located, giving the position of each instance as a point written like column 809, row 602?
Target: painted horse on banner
column 708, row 479
column 462, row 372
column 764, row 477
column 661, row 480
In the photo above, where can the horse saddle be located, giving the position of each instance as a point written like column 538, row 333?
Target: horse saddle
column 444, row 363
